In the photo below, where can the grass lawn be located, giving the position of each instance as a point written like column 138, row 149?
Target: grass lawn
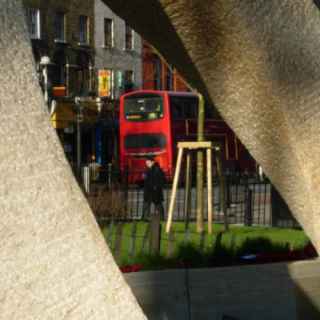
column 200, row 251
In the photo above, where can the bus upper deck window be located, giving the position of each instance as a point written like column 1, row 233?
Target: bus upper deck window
column 143, row 107
column 183, row 107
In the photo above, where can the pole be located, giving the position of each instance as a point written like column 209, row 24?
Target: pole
column 222, row 189
column 155, row 234
column 109, row 177
column 78, row 146
column 174, row 190
column 90, row 77
column 45, row 82
column 248, row 208
column 78, row 142
column 86, row 179
column 187, row 190
column 44, row 63
column 200, row 169
column 209, row 186
column 67, row 79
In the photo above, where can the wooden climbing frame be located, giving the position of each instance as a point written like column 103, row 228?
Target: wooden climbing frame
column 207, row 146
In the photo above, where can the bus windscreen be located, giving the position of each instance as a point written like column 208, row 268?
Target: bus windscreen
column 143, row 107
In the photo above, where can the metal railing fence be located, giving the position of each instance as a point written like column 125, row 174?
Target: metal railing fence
column 248, row 199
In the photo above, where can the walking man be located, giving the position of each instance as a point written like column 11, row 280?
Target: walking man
column 154, row 180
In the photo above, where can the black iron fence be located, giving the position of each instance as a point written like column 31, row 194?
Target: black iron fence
column 247, row 197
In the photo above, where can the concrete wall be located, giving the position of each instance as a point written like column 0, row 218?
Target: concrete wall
column 116, row 58
column 275, row 291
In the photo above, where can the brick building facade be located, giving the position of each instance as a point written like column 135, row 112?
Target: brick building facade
column 158, row 74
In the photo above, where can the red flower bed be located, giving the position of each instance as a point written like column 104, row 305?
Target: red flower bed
column 131, row 268
column 307, row 253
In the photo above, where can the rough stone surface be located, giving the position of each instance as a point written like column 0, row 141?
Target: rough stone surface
column 54, row 261
column 258, row 61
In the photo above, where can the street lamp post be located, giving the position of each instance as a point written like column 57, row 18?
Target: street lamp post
column 79, row 119
column 44, row 62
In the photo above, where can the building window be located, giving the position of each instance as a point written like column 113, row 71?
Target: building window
column 129, row 38
column 84, row 30
column 169, row 79
column 59, row 26
column 108, row 33
column 58, row 70
column 119, row 87
column 128, row 80
column 157, row 79
column 33, row 21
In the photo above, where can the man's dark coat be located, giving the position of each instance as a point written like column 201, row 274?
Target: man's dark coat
column 153, row 184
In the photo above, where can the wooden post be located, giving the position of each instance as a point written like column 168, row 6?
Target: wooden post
column 145, row 238
column 174, row 190
column 155, row 234
column 126, row 190
column 209, row 186
column 222, row 190
column 110, row 234
column 248, row 208
column 132, row 249
column 187, row 190
column 186, row 236
column 199, row 200
column 170, row 248
column 118, row 241
column 202, row 243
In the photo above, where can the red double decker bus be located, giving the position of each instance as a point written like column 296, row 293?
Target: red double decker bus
column 152, row 122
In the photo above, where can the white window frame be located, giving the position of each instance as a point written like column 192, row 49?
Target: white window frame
column 132, row 73
column 30, row 14
column 133, row 76
column 132, row 39
column 104, row 33
column 87, row 30
column 63, row 39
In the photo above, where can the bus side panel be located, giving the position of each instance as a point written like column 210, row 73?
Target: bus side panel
column 168, row 129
